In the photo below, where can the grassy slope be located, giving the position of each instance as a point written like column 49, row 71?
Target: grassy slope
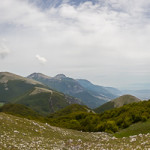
column 21, row 134
column 19, row 110
column 40, row 102
column 125, row 99
column 104, row 107
column 118, row 102
column 45, row 102
column 25, row 112
column 15, row 88
column 135, row 129
column 18, row 91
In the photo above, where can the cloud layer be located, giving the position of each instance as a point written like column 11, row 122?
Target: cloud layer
column 107, row 43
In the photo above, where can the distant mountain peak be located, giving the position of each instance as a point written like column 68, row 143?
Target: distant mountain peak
column 117, row 102
column 38, row 75
column 60, row 76
column 125, row 99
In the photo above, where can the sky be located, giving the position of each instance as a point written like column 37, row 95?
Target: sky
column 107, row 43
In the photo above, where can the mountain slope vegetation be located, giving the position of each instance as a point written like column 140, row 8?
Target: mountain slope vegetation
column 20, row 110
column 108, row 121
column 46, row 101
column 12, row 86
column 70, row 109
column 81, row 118
column 118, row 102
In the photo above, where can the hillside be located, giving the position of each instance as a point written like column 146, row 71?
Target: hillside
column 45, row 101
column 70, row 109
column 100, row 91
column 22, row 134
column 135, row 129
column 92, row 97
column 20, row 110
column 118, row 102
column 108, row 121
column 12, row 86
column 17, row 89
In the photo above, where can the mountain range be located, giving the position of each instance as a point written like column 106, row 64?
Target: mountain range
column 90, row 94
column 39, row 97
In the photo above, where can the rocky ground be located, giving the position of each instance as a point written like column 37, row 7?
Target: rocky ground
column 23, row 134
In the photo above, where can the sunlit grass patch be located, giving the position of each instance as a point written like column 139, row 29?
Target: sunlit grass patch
column 1, row 104
column 135, row 129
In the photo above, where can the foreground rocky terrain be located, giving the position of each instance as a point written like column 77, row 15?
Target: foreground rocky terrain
column 19, row 133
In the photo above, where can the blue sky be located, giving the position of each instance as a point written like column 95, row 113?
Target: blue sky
column 106, row 43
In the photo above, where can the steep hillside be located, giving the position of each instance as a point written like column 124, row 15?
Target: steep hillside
column 118, row 102
column 17, row 89
column 45, row 101
column 22, row 134
column 59, row 82
column 12, row 86
column 92, row 97
column 100, row 91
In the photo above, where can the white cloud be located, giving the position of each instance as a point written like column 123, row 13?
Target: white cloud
column 91, row 41
column 42, row 60
column 4, row 50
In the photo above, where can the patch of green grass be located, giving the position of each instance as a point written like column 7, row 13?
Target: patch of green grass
column 135, row 129
column 1, row 104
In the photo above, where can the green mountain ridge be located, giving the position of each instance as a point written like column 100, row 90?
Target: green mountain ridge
column 46, row 101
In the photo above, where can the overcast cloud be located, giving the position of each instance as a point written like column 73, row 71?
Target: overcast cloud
column 107, row 43
column 4, row 50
